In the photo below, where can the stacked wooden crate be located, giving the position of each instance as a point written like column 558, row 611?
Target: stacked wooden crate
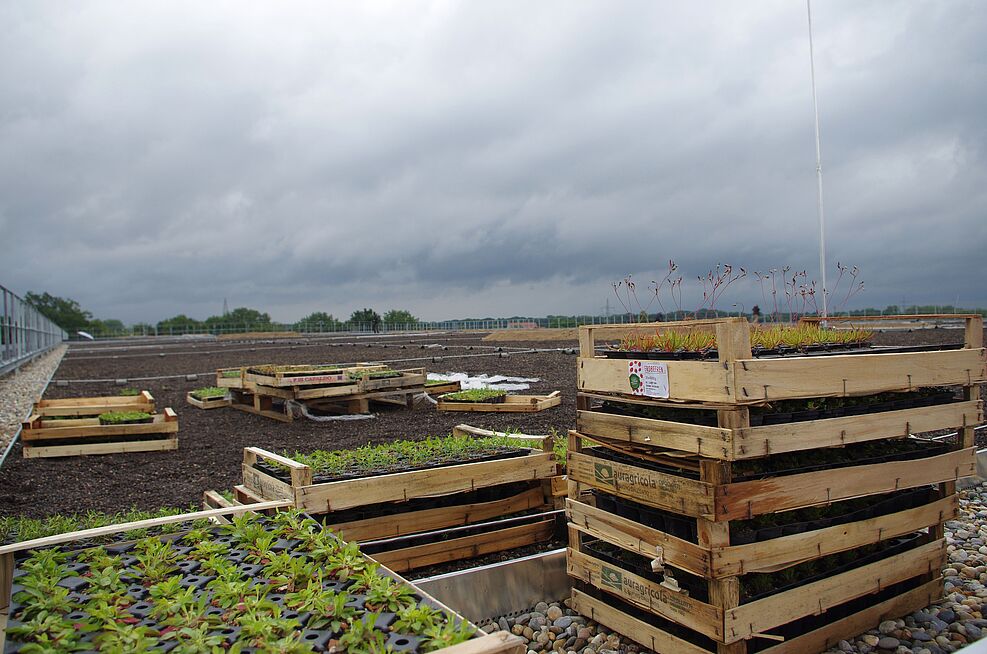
column 269, row 390
column 419, row 518
column 660, row 519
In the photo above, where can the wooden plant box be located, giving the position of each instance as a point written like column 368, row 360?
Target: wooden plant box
column 511, row 404
column 746, row 499
column 92, row 406
column 500, row 642
column 818, row 640
column 83, row 431
column 723, row 561
column 209, row 402
column 231, row 381
column 748, row 620
column 394, row 487
column 742, row 442
column 738, row 379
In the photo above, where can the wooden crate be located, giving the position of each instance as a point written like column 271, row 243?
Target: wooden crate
column 713, row 498
column 738, row 442
column 395, row 487
column 93, row 406
column 511, row 404
column 736, row 378
column 226, row 379
column 38, row 434
column 209, row 402
column 643, row 631
column 501, row 642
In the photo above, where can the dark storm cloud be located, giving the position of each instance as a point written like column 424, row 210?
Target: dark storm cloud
column 482, row 158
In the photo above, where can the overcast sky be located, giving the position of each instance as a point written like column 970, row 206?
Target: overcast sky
column 483, row 158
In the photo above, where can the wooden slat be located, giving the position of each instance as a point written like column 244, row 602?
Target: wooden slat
column 595, row 333
column 646, row 594
column 93, row 406
column 638, row 538
column 511, row 404
column 765, row 614
column 713, row 442
column 661, row 490
column 401, row 486
column 750, row 498
column 648, row 635
column 811, row 434
column 855, row 374
column 700, row 381
column 829, row 636
column 161, row 425
column 466, row 547
column 401, row 524
column 778, row 553
column 50, row 451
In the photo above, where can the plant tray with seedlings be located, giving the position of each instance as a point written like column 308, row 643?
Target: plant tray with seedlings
column 324, row 482
column 783, row 426
column 108, row 433
column 81, row 407
column 913, row 559
column 736, row 377
column 499, row 404
column 272, row 584
column 767, row 489
column 210, row 397
column 305, row 375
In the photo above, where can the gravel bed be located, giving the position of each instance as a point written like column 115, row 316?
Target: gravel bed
column 20, row 390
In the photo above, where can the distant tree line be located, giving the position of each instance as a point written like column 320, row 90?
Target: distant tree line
column 71, row 317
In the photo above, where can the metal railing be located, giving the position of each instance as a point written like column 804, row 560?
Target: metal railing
column 24, row 332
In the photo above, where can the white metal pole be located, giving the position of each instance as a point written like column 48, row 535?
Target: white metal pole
column 819, row 179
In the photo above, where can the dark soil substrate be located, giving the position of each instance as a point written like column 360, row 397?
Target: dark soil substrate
column 211, row 443
column 285, row 475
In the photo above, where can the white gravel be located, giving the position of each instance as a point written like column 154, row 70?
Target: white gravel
column 19, row 390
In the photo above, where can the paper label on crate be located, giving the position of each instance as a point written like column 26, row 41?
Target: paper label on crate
column 648, row 378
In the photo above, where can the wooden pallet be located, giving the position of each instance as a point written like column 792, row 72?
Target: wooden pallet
column 92, row 406
column 261, row 405
column 501, row 642
column 209, row 402
column 83, row 431
column 511, row 404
